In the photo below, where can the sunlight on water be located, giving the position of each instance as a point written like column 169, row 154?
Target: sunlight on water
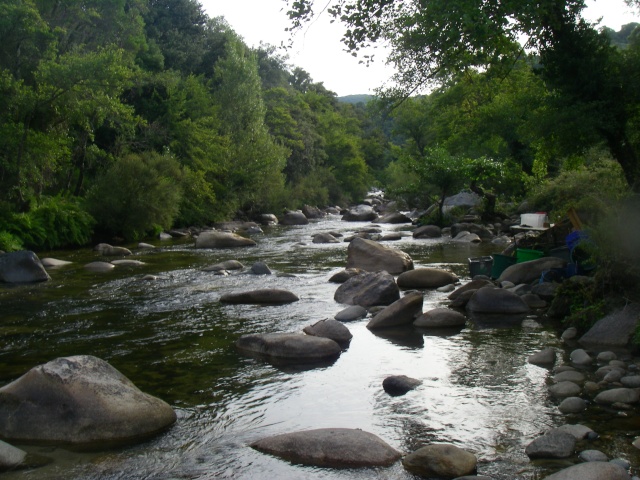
column 174, row 340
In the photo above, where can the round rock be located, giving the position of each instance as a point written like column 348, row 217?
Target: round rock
column 544, row 357
column 349, row 314
column 426, row 278
column 593, row 456
column 332, row 329
column 368, row 289
column 496, row 300
column 330, row 447
column 591, row 471
column 552, row 445
column 440, row 318
column 440, row 460
column 572, row 405
column 580, row 357
column 565, row 389
column 373, row 257
column 618, row 395
column 99, row 267
column 399, row 384
column 401, row 312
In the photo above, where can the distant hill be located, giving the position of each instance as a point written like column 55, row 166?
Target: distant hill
column 356, row 98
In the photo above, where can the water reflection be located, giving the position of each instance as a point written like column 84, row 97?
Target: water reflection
column 174, row 340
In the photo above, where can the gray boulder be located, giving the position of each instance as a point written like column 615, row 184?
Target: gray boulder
column 618, row 395
column 426, row 278
column 294, row 218
column 427, row 231
column 293, row 347
column 260, row 268
column 473, row 228
column 395, row 218
column 565, row 389
column 54, row 262
column 373, row 257
column 397, row 385
column 614, row 330
column 579, row 432
column 569, row 376
column 552, row 445
column 496, row 300
column 580, row 357
column 593, row 456
column 544, row 357
column 401, row 312
column 360, row 213
column 332, row 329
column 10, row 456
column 22, row 267
column 467, row 237
column 330, row 447
column 345, row 275
column 368, row 289
column 591, row 471
column 572, row 405
column 632, row 381
column 111, row 251
column 312, row 212
column 462, row 300
column 79, row 400
column 440, row 318
column 472, row 285
column 267, row 219
column 265, row 296
column 222, row 240
column 349, row 314
column 440, row 460
column 527, row 272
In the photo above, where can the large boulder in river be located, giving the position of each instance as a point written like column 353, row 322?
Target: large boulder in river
column 79, row 400
column 427, row 231
column 294, row 218
column 591, row 471
column 264, row 296
column 291, row 347
column 222, row 240
column 401, row 312
column 527, row 272
column 614, row 330
column 426, row 278
column 22, row 267
column 330, row 447
column 368, row 289
column 496, row 300
column 394, row 217
column 312, row 212
column 361, row 213
column 373, row 257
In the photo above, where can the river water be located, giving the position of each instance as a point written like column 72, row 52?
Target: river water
column 174, row 340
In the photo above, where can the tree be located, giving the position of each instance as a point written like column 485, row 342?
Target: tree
column 435, row 41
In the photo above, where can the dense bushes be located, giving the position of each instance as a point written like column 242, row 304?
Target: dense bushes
column 136, row 196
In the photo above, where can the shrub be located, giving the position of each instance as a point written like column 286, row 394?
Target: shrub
column 60, row 222
column 9, row 242
column 137, row 195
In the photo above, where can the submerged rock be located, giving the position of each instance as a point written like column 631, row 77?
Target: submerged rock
column 330, row 447
column 368, row 289
column 79, row 400
column 261, row 296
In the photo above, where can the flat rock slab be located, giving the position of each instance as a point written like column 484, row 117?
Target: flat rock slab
column 80, row 400
column 614, row 330
column 330, row 447
column 266, row 296
column 222, row 240
column 294, row 347
column 591, row 471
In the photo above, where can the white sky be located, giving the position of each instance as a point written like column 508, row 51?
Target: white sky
column 318, row 50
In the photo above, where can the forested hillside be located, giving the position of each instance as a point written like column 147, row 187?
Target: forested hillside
column 129, row 116
column 122, row 118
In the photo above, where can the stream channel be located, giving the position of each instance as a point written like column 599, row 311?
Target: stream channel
column 173, row 339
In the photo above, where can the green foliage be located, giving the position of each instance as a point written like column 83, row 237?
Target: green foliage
column 9, row 242
column 590, row 189
column 137, row 195
column 63, row 221
column 586, row 303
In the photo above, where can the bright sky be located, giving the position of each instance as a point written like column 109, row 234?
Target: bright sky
column 318, row 50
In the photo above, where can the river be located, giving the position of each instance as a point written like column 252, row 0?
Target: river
column 174, row 340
